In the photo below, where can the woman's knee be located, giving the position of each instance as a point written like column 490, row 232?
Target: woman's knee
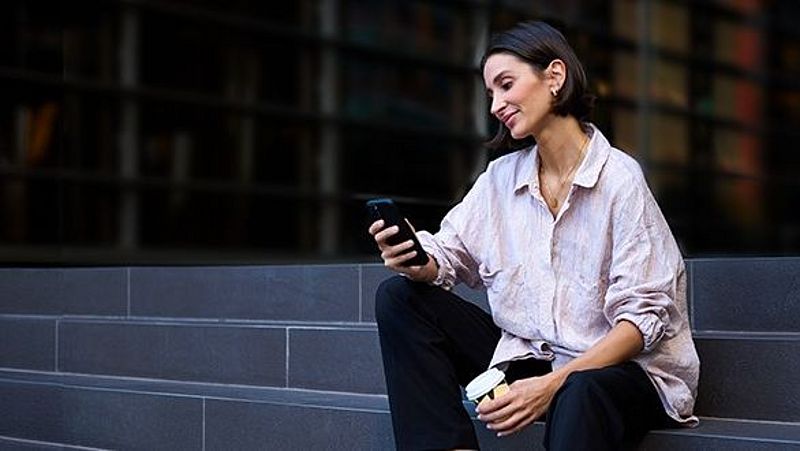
column 582, row 385
column 391, row 293
column 579, row 417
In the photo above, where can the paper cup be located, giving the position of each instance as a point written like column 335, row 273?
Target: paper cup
column 488, row 385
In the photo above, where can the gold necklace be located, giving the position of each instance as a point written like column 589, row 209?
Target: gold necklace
column 554, row 197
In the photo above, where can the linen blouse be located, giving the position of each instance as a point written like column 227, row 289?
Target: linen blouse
column 556, row 286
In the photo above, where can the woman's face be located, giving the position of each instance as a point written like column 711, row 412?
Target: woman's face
column 521, row 97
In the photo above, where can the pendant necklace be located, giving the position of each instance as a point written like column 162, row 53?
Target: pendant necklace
column 553, row 202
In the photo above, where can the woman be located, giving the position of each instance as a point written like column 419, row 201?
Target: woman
column 585, row 282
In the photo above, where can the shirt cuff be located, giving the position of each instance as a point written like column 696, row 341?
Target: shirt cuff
column 649, row 324
column 443, row 277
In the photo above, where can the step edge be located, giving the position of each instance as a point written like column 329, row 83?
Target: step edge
column 90, row 381
column 743, row 259
column 751, row 420
column 214, row 322
column 28, row 441
column 741, row 438
column 745, row 335
column 338, row 405
column 168, row 387
column 332, row 325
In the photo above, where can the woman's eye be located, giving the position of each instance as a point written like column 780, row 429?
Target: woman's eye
column 506, row 86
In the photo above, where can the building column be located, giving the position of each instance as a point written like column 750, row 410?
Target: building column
column 329, row 157
column 129, row 129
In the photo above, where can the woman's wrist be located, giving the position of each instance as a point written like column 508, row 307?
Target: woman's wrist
column 557, row 378
column 432, row 269
column 426, row 273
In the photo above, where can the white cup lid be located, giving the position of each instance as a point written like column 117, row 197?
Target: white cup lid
column 485, row 382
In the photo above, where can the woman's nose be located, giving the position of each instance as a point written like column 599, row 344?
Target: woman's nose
column 497, row 104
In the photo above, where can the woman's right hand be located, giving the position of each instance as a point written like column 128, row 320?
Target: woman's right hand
column 394, row 256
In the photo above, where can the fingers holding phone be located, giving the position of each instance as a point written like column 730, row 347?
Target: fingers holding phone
column 397, row 257
column 376, row 227
column 393, row 255
column 397, row 241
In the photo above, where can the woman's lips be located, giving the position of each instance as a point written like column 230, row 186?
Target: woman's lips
column 510, row 120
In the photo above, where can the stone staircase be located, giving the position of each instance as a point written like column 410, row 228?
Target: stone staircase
column 287, row 358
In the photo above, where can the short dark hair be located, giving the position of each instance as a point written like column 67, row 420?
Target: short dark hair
column 538, row 44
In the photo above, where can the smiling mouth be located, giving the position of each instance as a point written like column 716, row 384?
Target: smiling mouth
column 509, row 120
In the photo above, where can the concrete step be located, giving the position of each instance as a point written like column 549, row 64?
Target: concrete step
column 288, row 354
column 749, row 375
column 744, row 375
column 283, row 293
column 746, row 294
column 17, row 444
column 64, row 291
column 99, row 418
column 312, row 293
column 752, row 294
column 122, row 413
column 301, row 340
column 103, row 412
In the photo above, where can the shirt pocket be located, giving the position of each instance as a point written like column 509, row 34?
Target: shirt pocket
column 509, row 298
column 579, row 315
column 498, row 278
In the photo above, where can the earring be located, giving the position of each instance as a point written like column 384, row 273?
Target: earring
column 554, row 91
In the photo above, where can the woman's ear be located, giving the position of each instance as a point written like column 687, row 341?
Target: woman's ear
column 556, row 74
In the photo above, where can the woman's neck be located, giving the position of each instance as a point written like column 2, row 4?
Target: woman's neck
column 560, row 144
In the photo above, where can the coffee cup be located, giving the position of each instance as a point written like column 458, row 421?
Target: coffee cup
column 488, row 385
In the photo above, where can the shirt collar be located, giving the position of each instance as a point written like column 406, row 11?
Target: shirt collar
column 597, row 152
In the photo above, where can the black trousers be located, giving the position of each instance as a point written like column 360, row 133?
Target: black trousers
column 432, row 342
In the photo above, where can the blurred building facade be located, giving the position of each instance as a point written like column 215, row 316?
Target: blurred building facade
column 195, row 131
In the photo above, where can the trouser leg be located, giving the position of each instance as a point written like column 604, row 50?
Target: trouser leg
column 432, row 341
column 604, row 409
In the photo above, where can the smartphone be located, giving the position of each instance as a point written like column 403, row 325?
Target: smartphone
column 387, row 210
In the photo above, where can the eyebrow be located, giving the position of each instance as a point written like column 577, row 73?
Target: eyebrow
column 497, row 77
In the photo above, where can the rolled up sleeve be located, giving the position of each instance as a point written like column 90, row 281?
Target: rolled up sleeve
column 644, row 273
column 457, row 240
column 454, row 261
column 651, row 326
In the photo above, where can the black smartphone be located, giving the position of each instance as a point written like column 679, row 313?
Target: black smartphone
column 387, row 210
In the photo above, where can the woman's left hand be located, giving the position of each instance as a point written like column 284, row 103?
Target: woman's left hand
column 526, row 400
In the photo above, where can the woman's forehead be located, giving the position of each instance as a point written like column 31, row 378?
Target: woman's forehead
column 500, row 63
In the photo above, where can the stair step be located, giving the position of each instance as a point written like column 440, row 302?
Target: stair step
column 129, row 347
column 746, row 294
column 745, row 375
column 727, row 434
column 282, row 293
column 749, row 375
column 18, row 444
column 28, row 343
column 116, row 413
column 56, row 412
column 64, row 291
column 180, row 415
column 237, row 354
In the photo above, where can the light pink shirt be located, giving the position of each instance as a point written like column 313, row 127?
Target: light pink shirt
column 556, row 286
